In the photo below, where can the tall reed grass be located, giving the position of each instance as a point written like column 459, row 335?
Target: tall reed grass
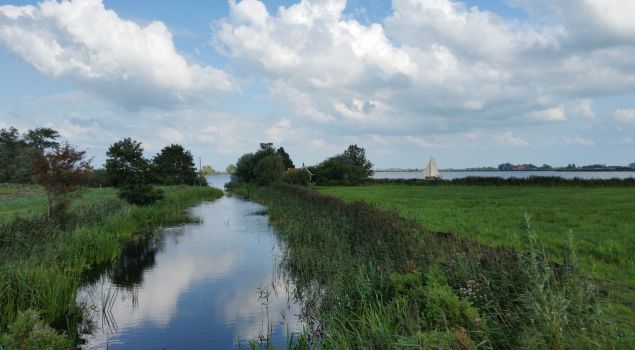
column 41, row 263
column 371, row 279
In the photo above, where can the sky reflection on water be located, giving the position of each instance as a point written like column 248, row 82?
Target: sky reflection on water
column 199, row 286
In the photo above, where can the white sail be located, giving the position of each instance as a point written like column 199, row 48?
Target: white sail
column 431, row 171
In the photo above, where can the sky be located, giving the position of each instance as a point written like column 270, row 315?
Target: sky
column 470, row 83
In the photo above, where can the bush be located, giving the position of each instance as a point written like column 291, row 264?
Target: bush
column 129, row 171
column 348, row 168
column 300, row 177
column 201, row 180
column 96, row 178
column 264, row 167
column 140, row 194
column 28, row 332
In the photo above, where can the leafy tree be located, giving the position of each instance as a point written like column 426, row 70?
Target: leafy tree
column 42, row 138
column 245, row 168
column 129, row 171
column 286, row 159
column 350, row 167
column 231, row 168
column 506, row 167
column 270, row 169
column 358, row 156
column 18, row 155
column 263, row 167
column 9, row 140
column 207, row 170
column 175, row 166
column 24, row 161
column 126, row 163
column 60, row 171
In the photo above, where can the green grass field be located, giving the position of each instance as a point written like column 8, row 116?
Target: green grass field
column 27, row 201
column 601, row 221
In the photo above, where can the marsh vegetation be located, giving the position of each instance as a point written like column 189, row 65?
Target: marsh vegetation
column 374, row 279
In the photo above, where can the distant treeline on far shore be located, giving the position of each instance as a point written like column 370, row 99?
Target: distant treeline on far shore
column 530, row 167
column 513, row 181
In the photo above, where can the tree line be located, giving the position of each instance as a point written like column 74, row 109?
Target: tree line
column 269, row 165
column 38, row 156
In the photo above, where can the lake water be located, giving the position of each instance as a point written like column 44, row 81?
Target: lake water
column 196, row 286
column 449, row 175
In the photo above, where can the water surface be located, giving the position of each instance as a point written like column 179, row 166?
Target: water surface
column 449, row 175
column 196, row 286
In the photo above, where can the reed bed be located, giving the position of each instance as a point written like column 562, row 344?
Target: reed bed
column 372, row 279
column 42, row 262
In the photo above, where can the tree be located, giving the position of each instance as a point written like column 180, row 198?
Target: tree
column 8, row 147
column 286, row 159
column 358, row 156
column 245, row 167
column 126, row 163
column 18, row 155
column 129, row 171
column 231, row 168
column 42, row 138
column 506, row 167
column 59, row 172
column 175, row 166
column 263, row 167
column 207, row 170
column 269, row 169
column 350, row 167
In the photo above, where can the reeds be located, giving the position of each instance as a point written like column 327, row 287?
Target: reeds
column 42, row 263
column 371, row 279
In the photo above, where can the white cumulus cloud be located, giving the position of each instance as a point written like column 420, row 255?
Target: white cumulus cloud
column 625, row 115
column 430, row 66
column 83, row 42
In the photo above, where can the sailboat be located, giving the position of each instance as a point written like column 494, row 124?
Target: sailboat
column 431, row 172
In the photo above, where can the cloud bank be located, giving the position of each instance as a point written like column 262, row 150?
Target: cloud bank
column 82, row 42
column 432, row 65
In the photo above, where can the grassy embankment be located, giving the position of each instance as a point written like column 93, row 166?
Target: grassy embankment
column 600, row 219
column 373, row 279
column 41, row 265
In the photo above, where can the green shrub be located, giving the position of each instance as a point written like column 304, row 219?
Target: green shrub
column 140, row 194
column 297, row 177
column 28, row 332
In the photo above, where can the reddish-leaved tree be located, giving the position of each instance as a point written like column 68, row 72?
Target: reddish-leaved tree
column 60, row 171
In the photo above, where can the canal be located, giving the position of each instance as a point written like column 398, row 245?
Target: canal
column 206, row 285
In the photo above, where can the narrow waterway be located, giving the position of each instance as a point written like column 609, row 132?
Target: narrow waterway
column 195, row 286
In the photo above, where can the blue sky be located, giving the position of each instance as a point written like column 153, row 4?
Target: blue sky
column 470, row 83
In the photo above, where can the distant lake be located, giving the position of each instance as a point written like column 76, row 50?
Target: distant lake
column 449, row 175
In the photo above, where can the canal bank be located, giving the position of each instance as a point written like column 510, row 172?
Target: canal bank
column 205, row 285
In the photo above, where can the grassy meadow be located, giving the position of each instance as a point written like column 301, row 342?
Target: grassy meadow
column 600, row 220
column 41, row 264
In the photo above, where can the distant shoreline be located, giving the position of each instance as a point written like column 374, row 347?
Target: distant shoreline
column 496, row 170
